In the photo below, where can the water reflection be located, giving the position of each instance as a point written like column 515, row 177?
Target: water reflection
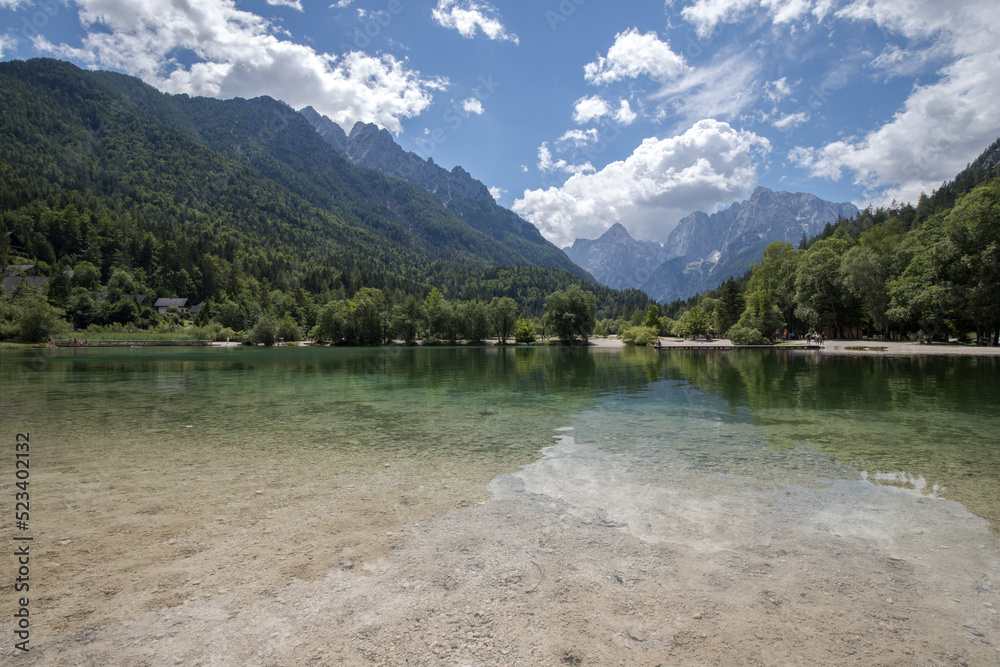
column 925, row 423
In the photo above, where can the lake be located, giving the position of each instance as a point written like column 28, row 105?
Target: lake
column 507, row 505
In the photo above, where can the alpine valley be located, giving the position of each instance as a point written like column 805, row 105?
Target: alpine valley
column 701, row 252
column 704, row 250
column 218, row 200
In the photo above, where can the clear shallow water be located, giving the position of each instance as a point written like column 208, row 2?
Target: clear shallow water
column 776, row 419
column 463, row 402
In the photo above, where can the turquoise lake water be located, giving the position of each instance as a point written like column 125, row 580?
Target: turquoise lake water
column 775, row 418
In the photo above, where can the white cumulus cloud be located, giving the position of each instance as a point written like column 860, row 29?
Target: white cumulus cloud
column 236, row 53
column 294, row 4
column 578, row 138
column 6, row 42
column 546, row 163
column 633, row 55
column 661, row 182
column 588, row 109
column 473, row 106
column 593, row 108
column 624, row 115
column 778, row 90
column 468, row 17
column 942, row 125
column 724, row 88
column 707, row 14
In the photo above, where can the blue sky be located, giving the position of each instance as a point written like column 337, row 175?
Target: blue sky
column 582, row 113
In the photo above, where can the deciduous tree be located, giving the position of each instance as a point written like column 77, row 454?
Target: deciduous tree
column 503, row 317
column 571, row 313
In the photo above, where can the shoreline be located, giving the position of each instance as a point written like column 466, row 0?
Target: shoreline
column 838, row 347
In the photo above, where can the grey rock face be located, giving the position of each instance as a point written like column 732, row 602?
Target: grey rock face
column 704, row 250
column 616, row 259
column 332, row 133
column 371, row 147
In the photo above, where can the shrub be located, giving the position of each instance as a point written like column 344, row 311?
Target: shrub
column 288, row 329
column 761, row 316
column 641, row 335
column 742, row 335
column 265, row 331
column 34, row 319
column 524, row 331
column 211, row 331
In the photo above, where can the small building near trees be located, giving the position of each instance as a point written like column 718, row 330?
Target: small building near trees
column 183, row 305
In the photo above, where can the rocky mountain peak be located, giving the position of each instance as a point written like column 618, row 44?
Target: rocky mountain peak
column 617, row 233
column 615, row 258
column 705, row 249
column 332, row 133
column 373, row 147
column 369, row 146
column 464, row 186
column 370, row 133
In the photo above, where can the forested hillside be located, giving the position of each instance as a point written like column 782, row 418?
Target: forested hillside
column 892, row 272
column 236, row 203
column 469, row 199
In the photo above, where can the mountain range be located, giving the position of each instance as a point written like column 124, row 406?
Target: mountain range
column 369, row 146
column 704, row 250
column 701, row 252
column 205, row 196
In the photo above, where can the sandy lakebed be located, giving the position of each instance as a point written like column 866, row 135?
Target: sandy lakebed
column 568, row 560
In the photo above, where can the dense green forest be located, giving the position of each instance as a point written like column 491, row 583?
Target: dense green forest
column 890, row 272
column 112, row 189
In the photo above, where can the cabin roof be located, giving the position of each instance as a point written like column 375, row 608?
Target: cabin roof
column 11, row 282
column 170, row 303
